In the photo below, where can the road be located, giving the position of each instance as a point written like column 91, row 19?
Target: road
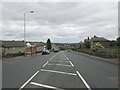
column 60, row 70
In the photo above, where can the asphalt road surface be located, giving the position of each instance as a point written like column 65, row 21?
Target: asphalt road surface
column 60, row 70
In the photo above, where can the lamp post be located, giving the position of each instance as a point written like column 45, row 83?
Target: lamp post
column 25, row 31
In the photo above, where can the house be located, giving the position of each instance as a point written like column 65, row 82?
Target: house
column 103, row 41
column 54, row 47
column 12, row 47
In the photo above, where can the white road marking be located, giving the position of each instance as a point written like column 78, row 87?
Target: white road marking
column 59, row 61
column 71, row 63
column 83, row 80
column 67, row 58
column 48, row 61
column 58, row 72
column 46, row 86
column 51, row 58
column 54, row 55
column 45, row 64
column 60, row 65
column 28, row 81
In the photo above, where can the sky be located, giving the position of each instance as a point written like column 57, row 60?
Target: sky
column 62, row 22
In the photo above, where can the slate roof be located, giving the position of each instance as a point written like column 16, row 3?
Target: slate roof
column 13, row 43
column 99, row 39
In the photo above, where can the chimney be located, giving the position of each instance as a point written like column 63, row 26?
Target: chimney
column 88, row 38
column 95, row 36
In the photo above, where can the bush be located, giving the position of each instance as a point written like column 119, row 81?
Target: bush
column 96, row 46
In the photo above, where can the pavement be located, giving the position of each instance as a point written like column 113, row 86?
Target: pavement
column 62, row 70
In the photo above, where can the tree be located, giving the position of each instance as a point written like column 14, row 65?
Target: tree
column 87, row 44
column 118, row 41
column 113, row 43
column 48, row 44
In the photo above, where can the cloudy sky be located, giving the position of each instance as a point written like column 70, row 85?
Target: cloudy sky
column 62, row 22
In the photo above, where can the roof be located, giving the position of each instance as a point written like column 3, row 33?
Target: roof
column 37, row 43
column 12, row 43
column 99, row 39
column 19, row 43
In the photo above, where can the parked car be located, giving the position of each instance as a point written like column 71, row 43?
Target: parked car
column 56, row 50
column 44, row 52
column 68, row 50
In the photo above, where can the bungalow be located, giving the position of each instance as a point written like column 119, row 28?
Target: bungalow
column 12, row 47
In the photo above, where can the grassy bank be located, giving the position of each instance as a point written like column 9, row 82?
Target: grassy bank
column 109, row 52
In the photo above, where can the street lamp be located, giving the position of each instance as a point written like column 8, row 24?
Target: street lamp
column 25, row 30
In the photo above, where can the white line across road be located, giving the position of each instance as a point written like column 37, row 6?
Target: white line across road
column 60, row 65
column 58, row 72
column 28, row 81
column 59, row 60
column 46, row 86
column 83, row 80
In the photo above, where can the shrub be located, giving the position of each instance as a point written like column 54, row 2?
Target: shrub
column 96, row 46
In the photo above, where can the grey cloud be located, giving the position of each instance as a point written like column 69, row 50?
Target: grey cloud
column 67, row 21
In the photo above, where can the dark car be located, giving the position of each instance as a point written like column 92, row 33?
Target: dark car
column 44, row 52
